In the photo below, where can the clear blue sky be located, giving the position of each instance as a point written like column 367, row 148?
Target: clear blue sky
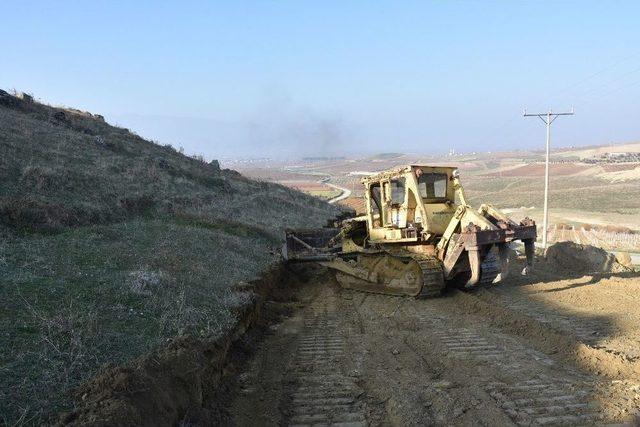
column 287, row 78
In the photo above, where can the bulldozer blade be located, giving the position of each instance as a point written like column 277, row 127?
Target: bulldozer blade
column 309, row 244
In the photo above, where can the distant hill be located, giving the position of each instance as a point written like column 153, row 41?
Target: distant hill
column 386, row 156
column 599, row 150
column 111, row 244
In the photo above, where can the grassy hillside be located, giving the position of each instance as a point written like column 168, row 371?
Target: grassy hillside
column 111, row 244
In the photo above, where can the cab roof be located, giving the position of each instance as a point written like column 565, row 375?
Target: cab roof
column 405, row 169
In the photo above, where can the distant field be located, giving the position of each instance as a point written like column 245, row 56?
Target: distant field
column 595, row 193
column 305, row 185
column 356, row 203
column 581, row 193
column 594, row 151
column 273, row 175
column 616, row 167
column 537, row 169
column 314, row 188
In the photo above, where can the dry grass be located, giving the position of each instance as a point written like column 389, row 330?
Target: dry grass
column 110, row 245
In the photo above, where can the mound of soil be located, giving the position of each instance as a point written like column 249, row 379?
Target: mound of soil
column 572, row 257
column 624, row 258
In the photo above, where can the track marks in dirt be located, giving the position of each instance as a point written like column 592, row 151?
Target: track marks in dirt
column 589, row 331
column 474, row 342
column 306, row 371
column 563, row 344
column 527, row 385
column 352, row 359
column 464, row 343
column 324, row 393
column 545, row 401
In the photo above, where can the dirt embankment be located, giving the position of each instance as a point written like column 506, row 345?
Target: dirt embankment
column 179, row 382
column 570, row 257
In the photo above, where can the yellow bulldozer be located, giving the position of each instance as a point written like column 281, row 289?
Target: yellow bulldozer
column 417, row 236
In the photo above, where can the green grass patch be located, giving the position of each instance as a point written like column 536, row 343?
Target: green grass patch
column 75, row 301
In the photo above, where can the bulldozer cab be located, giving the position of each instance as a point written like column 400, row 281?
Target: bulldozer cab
column 405, row 203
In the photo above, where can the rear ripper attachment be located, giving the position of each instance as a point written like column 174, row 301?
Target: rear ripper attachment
column 487, row 252
column 417, row 235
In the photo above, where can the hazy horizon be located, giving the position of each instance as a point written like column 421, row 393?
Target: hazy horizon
column 288, row 79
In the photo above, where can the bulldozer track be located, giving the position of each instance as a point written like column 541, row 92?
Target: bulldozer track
column 432, row 276
column 489, row 269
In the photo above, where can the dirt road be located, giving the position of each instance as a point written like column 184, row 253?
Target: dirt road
column 535, row 351
column 346, row 193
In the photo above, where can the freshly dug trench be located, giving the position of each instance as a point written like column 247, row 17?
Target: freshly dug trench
column 179, row 381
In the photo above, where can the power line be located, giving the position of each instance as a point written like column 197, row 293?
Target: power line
column 607, row 86
column 548, row 118
column 598, row 95
column 585, row 95
column 597, row 73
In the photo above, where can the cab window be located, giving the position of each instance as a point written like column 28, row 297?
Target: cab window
column 374, row 194
column 397, row 191
column 433, row 185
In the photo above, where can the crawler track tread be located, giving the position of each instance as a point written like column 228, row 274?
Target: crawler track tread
column 489, row 269
column 432, row 276
column 429, row 285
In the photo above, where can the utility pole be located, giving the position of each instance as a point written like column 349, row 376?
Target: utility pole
column 547, row 118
